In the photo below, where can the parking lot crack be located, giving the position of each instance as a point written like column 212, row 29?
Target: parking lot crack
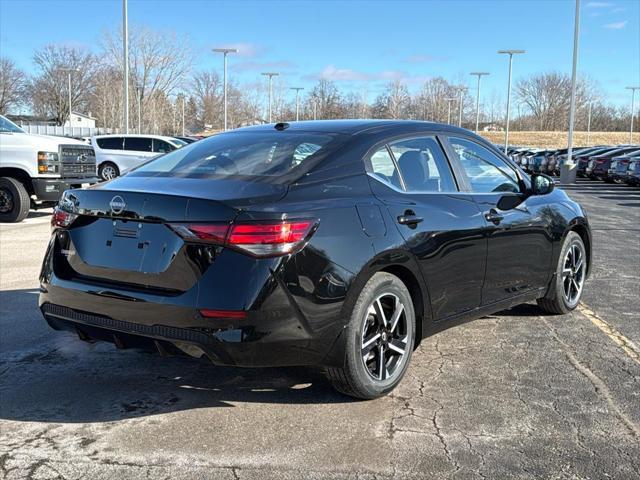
column 599, row 386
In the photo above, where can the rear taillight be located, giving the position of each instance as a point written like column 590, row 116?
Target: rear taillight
column 263, row 239
column 62, row 218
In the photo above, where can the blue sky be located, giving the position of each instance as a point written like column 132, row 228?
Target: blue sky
column 359, row 44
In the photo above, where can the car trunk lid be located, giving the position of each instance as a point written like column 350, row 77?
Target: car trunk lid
column 125, row 231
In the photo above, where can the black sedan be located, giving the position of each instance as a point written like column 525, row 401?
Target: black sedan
column 338, row 243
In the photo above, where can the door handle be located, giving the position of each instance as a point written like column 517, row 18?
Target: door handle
column 493, row 216
column 409, row 218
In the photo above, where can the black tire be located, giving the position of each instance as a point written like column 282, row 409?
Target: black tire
column 108, row 167
column 354, row 378
column 555, row 300
column 14, row 201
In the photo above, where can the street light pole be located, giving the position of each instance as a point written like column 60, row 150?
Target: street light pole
column 225, row 52
column 589, row 123
column 462, row 91
column 511, row 53
column 297, row 89
column 69, row 70
column 633, row 107
column 449, row 100
column 183, row 114
column 479, row 75
column 270, row 75
column 568, row 171
column 125, row 49
column 139, row 110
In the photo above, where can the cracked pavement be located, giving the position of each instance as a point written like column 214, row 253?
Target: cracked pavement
column 512, row 395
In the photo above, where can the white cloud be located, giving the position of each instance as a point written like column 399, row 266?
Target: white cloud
column 615, row 25
column 599, row 4
column 330, row 72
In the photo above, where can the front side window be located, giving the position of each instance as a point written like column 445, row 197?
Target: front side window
column 485, row 171
column 247, row 154
column 7, row 126
column 383, row 167
column 137, row 144
column 160, row 146
column 110, row 143
column 423, row 166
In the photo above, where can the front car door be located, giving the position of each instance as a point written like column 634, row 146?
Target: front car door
column 441, row 226
column 519, row 251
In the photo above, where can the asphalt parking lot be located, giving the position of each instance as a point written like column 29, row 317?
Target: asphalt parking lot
column 514, row 395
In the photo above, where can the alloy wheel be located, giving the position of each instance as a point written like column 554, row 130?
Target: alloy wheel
column 573, row 274
column 108, row 172
column 384, row 337
column 6, row 200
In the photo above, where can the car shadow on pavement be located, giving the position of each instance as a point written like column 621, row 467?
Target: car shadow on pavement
column 40, row 213
column 52, row 376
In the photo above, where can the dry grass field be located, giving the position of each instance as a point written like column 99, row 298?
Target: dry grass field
column 559, row 139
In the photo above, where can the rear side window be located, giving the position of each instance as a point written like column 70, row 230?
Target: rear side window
column 137, row 144
column 110, row 143
column 384, row 168
column 246, row 154
column 423, row 166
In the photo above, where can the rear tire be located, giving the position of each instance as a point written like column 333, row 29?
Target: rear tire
column 567, row 285
column 14, row 201
column 108, row 171
column 382, row 325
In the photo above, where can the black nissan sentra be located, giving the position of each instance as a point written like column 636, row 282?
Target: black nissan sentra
column 332, row 243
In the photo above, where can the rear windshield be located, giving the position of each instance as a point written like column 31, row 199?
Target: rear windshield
column 242, row 154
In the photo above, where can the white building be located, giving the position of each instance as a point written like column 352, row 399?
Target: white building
column 80, row 120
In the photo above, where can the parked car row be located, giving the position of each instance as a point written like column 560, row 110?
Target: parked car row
column 610, row 163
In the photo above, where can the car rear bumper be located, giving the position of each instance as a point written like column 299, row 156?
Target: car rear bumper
column 279, row 325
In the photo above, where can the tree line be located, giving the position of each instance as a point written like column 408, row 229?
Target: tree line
column 165, row 88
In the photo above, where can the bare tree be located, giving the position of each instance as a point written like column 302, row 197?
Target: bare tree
column 548, row 95
column 12, row 85
column 159, row 64
column 326, row 99
column 393, row 102
column 49, row 90
column 208, row 95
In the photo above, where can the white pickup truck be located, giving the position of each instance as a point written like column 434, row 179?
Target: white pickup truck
column 36, row 169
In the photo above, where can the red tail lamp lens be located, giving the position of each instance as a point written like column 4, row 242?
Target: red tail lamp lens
column 62, row 218
column 259, row 234
column 232, row 314
column 264, row 239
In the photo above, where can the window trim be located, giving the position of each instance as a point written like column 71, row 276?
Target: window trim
column 413, row 136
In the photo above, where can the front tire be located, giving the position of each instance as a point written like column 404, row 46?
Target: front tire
column 14, row 201
column 379, row 339
column 568, row 282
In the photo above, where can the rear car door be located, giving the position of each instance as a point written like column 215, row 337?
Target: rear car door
column 519, row 243
column 441, row 226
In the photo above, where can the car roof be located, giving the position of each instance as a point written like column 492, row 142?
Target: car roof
column 136, row 135
column 354, row 127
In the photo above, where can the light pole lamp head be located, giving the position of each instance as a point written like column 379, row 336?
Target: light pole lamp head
column 512, row 52
column 270, row 74
column 225, row 50
column 480, row 74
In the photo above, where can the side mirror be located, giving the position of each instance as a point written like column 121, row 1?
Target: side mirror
column 541, row 184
